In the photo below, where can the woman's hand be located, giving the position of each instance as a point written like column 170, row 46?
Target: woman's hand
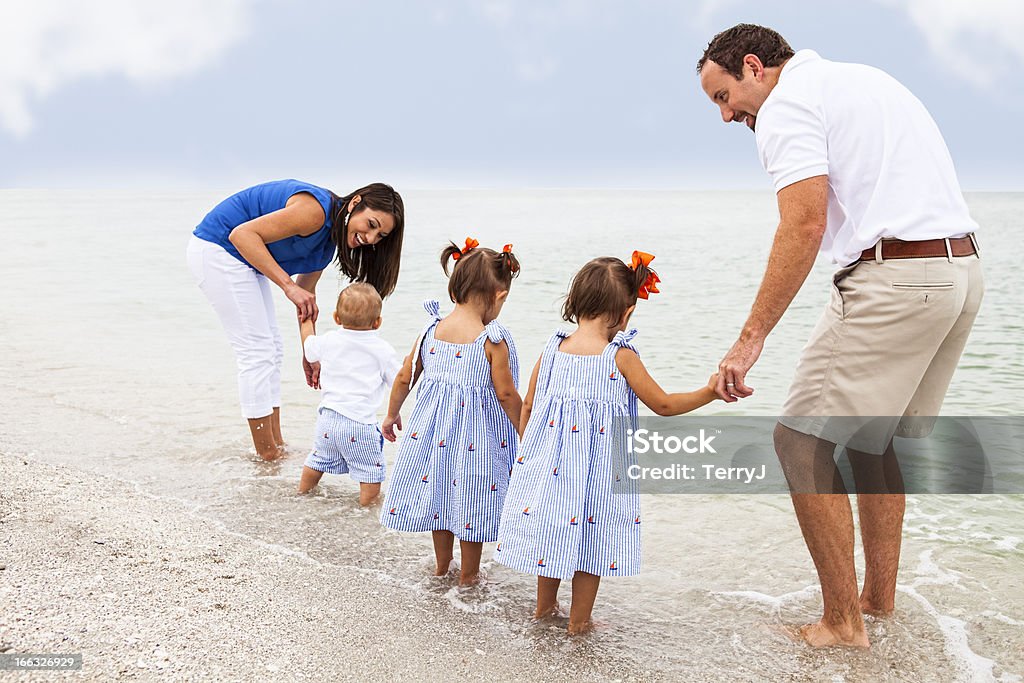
column 305, row 302
column 387, row 427
column 312, row 371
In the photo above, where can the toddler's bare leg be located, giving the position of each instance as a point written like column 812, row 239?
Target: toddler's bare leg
column 547, row 597
column 368, row 493
column 584, row 592
column 309, row 479
column 471, row 552
column 262, row 430
column 444, row 549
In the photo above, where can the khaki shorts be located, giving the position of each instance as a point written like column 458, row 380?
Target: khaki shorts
column 882, row 355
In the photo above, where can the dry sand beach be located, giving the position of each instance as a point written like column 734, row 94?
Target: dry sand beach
column 142, row 587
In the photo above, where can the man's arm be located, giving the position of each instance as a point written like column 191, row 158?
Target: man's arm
column 802, row 219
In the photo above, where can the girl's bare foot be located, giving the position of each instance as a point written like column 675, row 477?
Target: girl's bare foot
column 469, row 579
column 547, row 611
column 442, row 567
column 578, row 629
column 821, row 634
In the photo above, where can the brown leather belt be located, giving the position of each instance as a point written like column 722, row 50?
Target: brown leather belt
column 897, row 249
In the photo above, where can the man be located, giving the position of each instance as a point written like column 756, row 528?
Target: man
column 863, row 175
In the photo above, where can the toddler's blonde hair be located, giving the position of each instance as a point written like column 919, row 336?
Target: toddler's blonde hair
column 358, row 306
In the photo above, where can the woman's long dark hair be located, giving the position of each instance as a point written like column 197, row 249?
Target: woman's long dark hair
column 377, row 265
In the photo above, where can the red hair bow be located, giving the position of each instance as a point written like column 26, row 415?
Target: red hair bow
column 650, row 285
column 507, row 253
column 470, row 245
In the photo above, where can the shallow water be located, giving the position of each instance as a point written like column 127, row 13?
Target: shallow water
column 114, row 362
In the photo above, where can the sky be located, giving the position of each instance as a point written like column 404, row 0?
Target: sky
column 196, row 94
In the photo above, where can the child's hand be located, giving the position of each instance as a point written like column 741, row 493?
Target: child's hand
column 713, row 385
column 387, row 428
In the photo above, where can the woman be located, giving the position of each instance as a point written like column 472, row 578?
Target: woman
column 269, row 233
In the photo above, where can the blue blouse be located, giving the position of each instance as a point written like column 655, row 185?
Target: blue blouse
column 295, row 254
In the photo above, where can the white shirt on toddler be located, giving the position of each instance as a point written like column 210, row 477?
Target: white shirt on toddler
column 357, row 369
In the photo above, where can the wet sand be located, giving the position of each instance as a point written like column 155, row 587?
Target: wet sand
column 141, row 586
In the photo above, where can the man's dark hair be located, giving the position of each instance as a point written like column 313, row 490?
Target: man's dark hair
column 729, row 47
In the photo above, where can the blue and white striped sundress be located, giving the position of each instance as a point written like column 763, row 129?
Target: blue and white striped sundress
column 452, row 468
column 570, row 505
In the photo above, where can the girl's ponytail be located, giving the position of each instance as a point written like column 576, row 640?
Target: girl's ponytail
column 478, row 272
column 645, row 280
column 509, row 261
column 606, row 287
column 449, row 252
column 454, row 253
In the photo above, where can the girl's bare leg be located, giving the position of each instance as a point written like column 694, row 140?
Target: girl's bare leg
column 471, row 552
column 262, row 430
column 368, row 493
column 444, row 549
column 584, row 592
column 547, row 597
column 309, row 479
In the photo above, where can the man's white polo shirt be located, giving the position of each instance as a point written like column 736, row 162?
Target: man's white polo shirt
column 889, row 171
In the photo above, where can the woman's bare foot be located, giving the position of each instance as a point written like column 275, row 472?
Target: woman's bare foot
column 821, row 634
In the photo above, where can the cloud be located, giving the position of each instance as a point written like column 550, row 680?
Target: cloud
column 972, row 38
column 47, row 44
column 533, row 31
column 706, row 11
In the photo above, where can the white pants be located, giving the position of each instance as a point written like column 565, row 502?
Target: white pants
column 241, row 297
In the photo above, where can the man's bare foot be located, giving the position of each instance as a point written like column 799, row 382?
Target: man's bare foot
column 876, row 608
column 581, row 628
column 821, row 634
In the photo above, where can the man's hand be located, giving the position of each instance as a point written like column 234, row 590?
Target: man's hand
column 312, row 371
column 387, row 427
column 732, row 371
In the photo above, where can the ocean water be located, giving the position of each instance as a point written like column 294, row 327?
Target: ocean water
column 113, row 362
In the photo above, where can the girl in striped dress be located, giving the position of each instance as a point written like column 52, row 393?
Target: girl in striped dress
column 571, row 512
column 452, row 469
